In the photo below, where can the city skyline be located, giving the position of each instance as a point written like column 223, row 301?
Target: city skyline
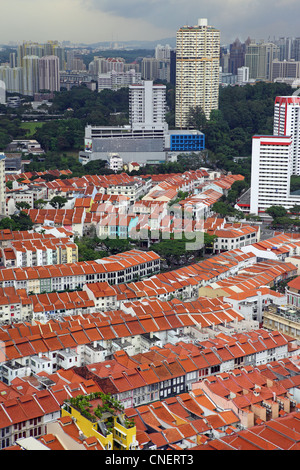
column 90, row 21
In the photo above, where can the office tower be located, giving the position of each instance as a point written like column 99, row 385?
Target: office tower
column 252, row 59
column 268, row 53
column 270, row 173
column 287, row 122
column 259, row 59
column 197, row 70
column 295, row 52
column 285, row 48
column 224, row 61
column 30, row 75
column 147, row 106
column 49, row 73
column 243, row 75
column 236, row 56
column 285, row 69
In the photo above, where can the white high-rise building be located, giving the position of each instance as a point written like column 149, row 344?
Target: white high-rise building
column 270, row 173
column 287, row 122
column 13, row 78
column 147, row 106
column 30, row 75
column 197, row 70
column 259, row 58
column 49, row 73
column 2, row 92
column 243, row 75
column 2, row 184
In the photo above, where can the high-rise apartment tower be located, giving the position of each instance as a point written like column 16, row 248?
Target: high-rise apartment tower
column 197, row 70
column 287, row 122
column 147, row 106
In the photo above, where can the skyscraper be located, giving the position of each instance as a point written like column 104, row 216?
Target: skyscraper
column 13, row 78
column 270, row 173
column 30, row 74
column 49, row 73
column 2, row 184
column 197, row 70
column 276, row 157
column 236, row 56
column 259, row 58
column 287, row 122
column 147, row 106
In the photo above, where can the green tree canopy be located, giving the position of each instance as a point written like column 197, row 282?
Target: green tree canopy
column 58, row 202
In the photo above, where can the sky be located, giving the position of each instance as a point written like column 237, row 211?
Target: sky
column 90, row 21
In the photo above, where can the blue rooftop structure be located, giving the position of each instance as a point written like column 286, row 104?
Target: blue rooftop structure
column 189, row 142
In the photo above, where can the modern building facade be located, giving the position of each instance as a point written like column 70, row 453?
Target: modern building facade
column 287, row 122
column 147, row 106
column 197, row 70
column 259, row 58
column 271, row 172
column 193, row 141
column 13, row 78
column 115, row 80
column 30, row 74
column 2, row 92
column 285, row 69
column 2, row 184
column 242, row 75
column 147, row 139
column 49, row 73
column 236, row 56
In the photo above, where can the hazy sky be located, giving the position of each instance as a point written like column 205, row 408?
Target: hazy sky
column 88, row 21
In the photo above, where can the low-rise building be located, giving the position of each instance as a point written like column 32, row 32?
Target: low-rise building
column 105, row 420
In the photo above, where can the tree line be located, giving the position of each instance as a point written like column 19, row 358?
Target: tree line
column 243, row 112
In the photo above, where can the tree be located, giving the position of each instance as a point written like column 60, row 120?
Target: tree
column 223, row 209
column 58, row 202
column 19, row 221
column 295, row 209
column 22, row 205
column 39, row 204
column 196, row 118
column 276, row 211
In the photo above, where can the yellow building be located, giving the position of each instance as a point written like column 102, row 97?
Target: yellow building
column 101, row 416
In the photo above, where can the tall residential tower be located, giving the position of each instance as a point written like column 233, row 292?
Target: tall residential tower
column 147, row 106
column 276, row 158
column 287, row 122
column 197, row 70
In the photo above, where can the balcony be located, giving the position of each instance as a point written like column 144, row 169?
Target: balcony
column 102, row 416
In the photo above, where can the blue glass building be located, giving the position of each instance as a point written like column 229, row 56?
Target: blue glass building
column 189, row 142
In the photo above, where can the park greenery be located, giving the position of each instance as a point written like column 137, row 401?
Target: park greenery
column 20, row 221
column 174, row 249
column 243, row 112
